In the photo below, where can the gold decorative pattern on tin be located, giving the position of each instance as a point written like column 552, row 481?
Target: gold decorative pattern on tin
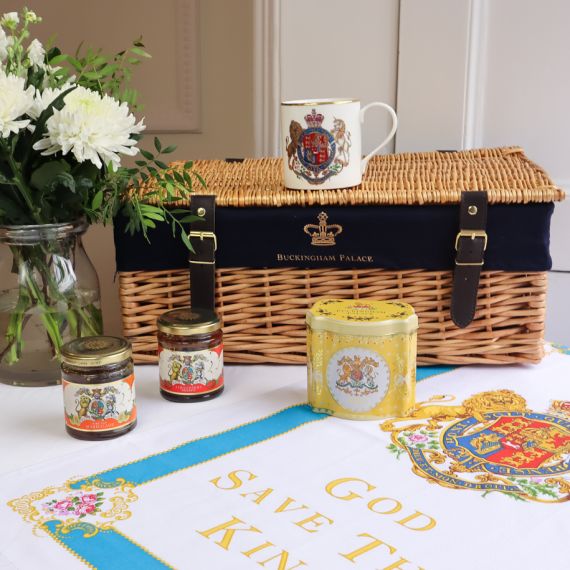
column 362, row 317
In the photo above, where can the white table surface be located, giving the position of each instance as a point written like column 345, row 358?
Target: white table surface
column 32, row 432
column 32, row 428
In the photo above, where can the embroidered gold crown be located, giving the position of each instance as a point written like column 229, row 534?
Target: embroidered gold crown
column 323, row 233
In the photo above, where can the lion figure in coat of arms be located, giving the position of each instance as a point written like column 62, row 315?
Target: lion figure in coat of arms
column 476, row 406
column 293, row 141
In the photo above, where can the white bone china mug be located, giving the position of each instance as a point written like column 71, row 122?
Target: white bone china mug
column 322, row 142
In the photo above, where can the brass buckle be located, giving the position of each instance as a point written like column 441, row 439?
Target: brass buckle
column 471, row 234
column 202, row 236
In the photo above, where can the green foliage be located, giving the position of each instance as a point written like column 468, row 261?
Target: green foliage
column 105, row 74
column 169, row 186
column 535, row 489
column 397, row 451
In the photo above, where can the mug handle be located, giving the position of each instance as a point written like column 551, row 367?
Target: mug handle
column 392, row 132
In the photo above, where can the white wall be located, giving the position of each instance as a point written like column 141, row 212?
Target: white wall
column 526, row 80
column 335, row 48
column 432, row 79
column 526, row 93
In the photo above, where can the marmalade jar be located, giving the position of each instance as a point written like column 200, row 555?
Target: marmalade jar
column 190, row 355
column 98, row 387
column 361, row 358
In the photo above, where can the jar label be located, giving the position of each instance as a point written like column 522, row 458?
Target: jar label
column 100, row 407
column 197, row 372
column 358, row 378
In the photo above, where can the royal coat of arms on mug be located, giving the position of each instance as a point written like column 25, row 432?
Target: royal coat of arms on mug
column 322, row 142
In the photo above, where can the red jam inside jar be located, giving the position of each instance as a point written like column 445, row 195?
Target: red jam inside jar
column 98, row 387
column 190, row 355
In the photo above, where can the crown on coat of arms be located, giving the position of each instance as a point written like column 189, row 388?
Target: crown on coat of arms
column 314, row 119
column 323, row 234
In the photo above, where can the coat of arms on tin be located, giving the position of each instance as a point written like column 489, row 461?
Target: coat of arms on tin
column 356, row 375
column 358, row 379
column 491, row 442
column 314, row 153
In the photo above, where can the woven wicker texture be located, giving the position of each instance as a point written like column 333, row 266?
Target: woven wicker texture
column 411, row 178
column 263, row 311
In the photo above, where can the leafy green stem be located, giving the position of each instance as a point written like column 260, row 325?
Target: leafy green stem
column 21, row 185
column 56, row 309
column 48, row 320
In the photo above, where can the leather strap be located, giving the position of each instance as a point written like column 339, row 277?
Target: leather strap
column 470, row 245
column 203, row 260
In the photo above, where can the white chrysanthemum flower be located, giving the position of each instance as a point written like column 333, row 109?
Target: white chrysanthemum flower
column 10, row 20
column 93, row 128
column 4, row 43
column 44, row 98
column 15, row 102
column 36, row 53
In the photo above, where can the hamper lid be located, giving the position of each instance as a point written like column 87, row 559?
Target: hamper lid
column 362, row 317
column 393, row 179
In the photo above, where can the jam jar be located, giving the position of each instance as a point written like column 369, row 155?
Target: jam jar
column 191, row 355
column 98, row 387
column 361, row 358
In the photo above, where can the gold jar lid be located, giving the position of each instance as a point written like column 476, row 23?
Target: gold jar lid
column 94, row 351
column 187, row 321
column 362, row 317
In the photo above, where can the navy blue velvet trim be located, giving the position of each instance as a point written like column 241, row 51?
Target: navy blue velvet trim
column 390, row 237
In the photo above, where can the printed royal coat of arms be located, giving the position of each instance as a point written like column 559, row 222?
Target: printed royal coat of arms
column 98, row 404
column 315, row 153
column 491, row 442
column 356, row 375
column 188, row 370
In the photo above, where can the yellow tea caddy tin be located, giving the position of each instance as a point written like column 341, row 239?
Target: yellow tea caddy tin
column 361, row 358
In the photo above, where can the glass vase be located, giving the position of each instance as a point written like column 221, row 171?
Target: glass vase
column 49, row 294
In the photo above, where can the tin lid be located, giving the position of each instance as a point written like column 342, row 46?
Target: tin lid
column 362, row 317
column 186, row 321
column 93, row 351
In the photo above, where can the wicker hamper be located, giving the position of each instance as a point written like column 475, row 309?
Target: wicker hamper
column 263, row 309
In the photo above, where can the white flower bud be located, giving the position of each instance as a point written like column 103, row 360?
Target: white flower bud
column 4, row 43
column 36, row 53
column 31, row 17
column 10, row 20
